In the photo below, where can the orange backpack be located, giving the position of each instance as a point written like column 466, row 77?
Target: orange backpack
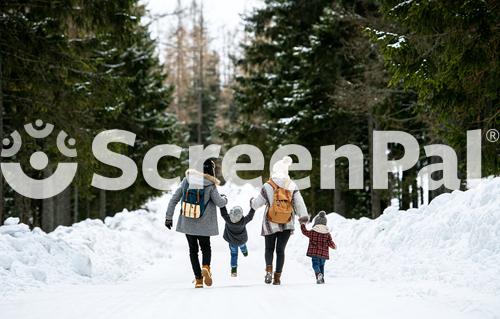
column 280, row 212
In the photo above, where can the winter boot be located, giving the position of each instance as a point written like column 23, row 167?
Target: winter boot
column 277, row 279
column 320, row 279
column 207, row 275
column 234, row 271
column 269, row 274
column 245, row 253
column 198, row 283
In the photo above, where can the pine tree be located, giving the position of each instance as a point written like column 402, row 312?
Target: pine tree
column 84, row 67
column 448, row 53
column 312, row 77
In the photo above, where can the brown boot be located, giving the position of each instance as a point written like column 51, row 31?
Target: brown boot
column 207, row 275
column 277, row 277
column 198, row 283
column 269, row 274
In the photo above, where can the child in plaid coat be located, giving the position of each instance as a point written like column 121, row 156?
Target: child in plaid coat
column 320, row 241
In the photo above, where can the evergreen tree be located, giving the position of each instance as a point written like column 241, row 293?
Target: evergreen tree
column 448, row 53
column 83, row 66
column 306, row 80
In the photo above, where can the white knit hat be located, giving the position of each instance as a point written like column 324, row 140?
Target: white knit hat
column 280, row 168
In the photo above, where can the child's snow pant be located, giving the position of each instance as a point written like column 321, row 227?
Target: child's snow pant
column 234, row 253
column 318, row 264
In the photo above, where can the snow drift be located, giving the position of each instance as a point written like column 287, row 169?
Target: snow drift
column 455, row 241
column 90, row 250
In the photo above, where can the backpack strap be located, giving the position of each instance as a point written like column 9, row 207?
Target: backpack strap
column 185, row 190
column 273, row 184
column 287, row 183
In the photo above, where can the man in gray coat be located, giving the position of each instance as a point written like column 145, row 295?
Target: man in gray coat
column 199, row 230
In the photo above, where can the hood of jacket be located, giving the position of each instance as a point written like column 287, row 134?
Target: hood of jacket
column 285, row 182
column 322, row 229
column 195, row 177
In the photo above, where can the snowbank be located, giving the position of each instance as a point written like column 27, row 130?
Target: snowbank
column 91, row 250
column 455, row 240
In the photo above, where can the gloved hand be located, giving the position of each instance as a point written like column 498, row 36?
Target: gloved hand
column 303, row 219
column 224, row 197
column 168, row 223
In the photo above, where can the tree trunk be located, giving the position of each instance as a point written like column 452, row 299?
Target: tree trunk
column 63, row 208
column 437, row 175
column 75, row 204
column 312, row 198
column 200, row 77
column 48, row 210
column 376, row 208
column 414, row 192
column 48, row 223
column 2, row 213
column 405, row 189
column 87, row 208
column 102, row 204
column 339, row 201
column 23, row 209
column 313, row 202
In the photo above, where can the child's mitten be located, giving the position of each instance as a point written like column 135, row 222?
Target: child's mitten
column 303, row 219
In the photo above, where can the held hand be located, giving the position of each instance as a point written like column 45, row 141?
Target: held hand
column 303, row 219
column 224, row 196
column 168, row 223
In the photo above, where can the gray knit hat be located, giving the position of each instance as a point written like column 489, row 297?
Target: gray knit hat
column 236, row 214
column 320, row 219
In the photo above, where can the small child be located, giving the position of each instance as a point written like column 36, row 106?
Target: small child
column 319, row 242
column 235, row 233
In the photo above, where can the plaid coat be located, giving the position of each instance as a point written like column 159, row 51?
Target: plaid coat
column 319, row 242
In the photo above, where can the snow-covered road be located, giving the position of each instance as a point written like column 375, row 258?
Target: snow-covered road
column 165, row 291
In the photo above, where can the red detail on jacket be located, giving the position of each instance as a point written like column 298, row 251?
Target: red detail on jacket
column 318, row 243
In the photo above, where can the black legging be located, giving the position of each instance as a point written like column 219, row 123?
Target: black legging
column 278, row 240
column 206, row 251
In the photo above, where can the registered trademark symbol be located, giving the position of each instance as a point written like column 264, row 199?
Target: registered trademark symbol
column 492, row 135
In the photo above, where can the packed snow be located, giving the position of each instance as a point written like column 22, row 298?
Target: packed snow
column 454, row 240
column 87, row 251
column 440, row 260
